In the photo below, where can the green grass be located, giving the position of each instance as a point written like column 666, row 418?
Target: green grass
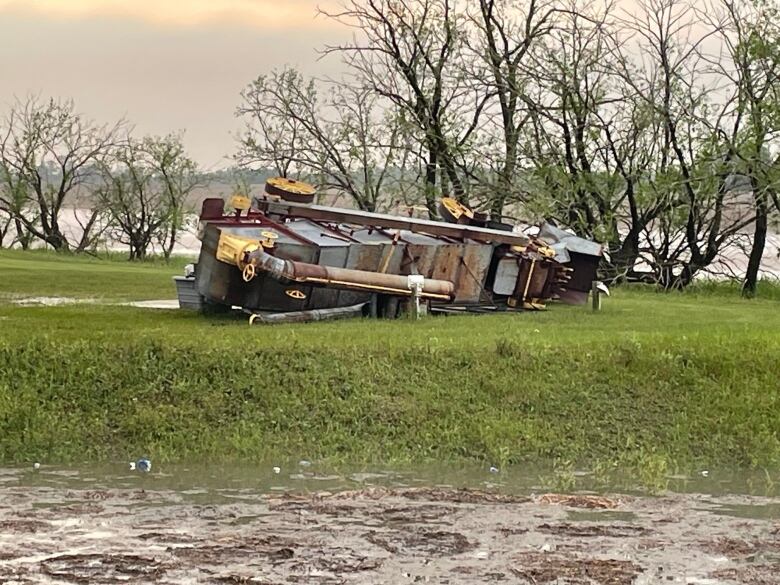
column 45, row 273
column 654, row 382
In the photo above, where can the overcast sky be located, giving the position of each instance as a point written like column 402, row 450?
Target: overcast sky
column 165, row 65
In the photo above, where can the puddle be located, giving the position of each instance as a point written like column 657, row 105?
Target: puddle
column 753, row 511
column 62, row 301
column 50, row 301
column 306, row 524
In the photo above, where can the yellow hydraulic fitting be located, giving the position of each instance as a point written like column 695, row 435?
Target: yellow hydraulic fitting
column 269, row 239
column 232, row 249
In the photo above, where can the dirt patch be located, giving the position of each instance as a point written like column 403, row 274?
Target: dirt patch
column 579, row 501
column 593, row 530
column 736, row 547
column 92, row 568
column 755, row 575
column 545, row 568
column 438, row 543
column 166, row 537
column 461, row 496
column 338, row 561
column 420, row 514
column 455, row 496
column 93, row 495
column 25, row 526
column 507, row 531
column 434, row 535
column 271, row 548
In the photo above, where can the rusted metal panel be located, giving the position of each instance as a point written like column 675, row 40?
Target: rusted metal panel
column 447, row 263
column 475, row 262
column 420, row 258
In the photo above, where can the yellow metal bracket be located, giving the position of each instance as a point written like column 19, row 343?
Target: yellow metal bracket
column 231, row 249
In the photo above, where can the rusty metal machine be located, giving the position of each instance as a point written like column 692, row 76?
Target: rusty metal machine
column 281, row 257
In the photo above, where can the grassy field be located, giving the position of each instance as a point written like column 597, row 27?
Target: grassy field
column 654, row 383
column 43, row 273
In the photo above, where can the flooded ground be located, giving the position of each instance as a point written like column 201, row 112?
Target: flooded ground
column 302, row 525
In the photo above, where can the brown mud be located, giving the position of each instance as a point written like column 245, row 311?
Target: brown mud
column 442, row 535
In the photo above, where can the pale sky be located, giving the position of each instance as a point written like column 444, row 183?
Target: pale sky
column 165, row 65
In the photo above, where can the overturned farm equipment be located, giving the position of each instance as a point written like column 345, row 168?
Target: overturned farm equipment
column 281, row 257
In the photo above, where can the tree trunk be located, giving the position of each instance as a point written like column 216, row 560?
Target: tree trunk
column 757, row 251
column 21, row 234
column 4, row 229
column 168, row 246
column 430, row 185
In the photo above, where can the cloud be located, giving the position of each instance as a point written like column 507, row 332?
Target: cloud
column 263, row 14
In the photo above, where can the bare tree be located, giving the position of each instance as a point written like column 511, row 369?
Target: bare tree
column 48, row 152
column 349, row 143
column 143, row 189
column 407, row 51
column 269, row 137
column 177, row 175
column 749, row 34
column 503, row 37
column 694, row 165
column 14, row 202
column 573, row 89
column 6, row 223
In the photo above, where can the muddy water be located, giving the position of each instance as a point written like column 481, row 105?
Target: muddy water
column 249, row 524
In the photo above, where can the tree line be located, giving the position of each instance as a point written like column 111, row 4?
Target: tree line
column 53, row 159
column 649, row 126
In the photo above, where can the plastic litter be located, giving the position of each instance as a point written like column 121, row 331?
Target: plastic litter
column 143, row 465
column 36, row 466
column 705, row 473
column 277, row 470
column 493, row 469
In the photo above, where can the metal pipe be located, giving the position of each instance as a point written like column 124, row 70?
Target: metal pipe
column 345, row 278
column 304, row 316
